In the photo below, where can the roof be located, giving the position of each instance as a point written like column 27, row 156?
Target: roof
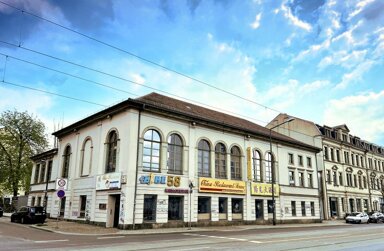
column 45, row 155
column 182, row 110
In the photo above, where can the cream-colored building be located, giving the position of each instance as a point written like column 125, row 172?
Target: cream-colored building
column 351, row 170
column 134, row 164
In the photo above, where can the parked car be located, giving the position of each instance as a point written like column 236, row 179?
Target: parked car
column 376, row 217
column 357, row 217
column 29, row 215
column 1, row 211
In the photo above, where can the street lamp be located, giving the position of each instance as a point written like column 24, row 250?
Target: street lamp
column 287, row 120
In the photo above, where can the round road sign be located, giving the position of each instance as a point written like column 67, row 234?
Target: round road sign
column 60, row 193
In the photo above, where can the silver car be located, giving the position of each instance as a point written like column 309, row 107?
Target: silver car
column 357, row 217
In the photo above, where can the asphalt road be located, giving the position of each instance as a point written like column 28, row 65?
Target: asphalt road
column 15, row 236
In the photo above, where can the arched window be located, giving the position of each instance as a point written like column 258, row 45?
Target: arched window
column 220, row 161
column 86, row 157
column 256, row 165
column 235, row 163
column 175, row 154
column 268, row 167
column 151, row 151
column 111, row 152
column 204, row 159
column 66, row 158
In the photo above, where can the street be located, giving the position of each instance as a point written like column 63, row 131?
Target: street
column 282, row 237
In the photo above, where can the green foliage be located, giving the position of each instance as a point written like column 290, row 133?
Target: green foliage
column 21, row 136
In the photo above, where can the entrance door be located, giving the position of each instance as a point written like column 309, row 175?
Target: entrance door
column 333, row 206
column 352, row 205
column 113, row 210
column 259, row 210
column 175, row 208
column 149, row 213
column 116, row 215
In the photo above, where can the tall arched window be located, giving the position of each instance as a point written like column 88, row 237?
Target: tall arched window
column 86, row 157
column 66, row 158
column 175, row 154
column 268, row 167
column 204, row 159
column 235, row 163
column 220, row 161
column 151, row 151
column 111, row 152
column 256, row 165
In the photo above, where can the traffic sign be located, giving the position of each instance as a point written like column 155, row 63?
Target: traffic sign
column 60, row 193
column 61, row 184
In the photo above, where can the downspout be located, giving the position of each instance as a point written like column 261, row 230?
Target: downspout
column 321, row 205
column 137, row 166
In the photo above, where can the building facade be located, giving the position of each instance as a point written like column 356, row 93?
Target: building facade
column 158, row 161
column 351, row 170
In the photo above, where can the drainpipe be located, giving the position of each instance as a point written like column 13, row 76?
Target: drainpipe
column 318, row 188
column 137, row 167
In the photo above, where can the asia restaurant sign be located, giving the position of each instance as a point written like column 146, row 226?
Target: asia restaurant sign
column 108, row 181
column 208, row 185
column 264, row 189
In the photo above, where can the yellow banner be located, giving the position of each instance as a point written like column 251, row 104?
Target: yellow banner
column 264, row 189
column 249, row 163
column 208, row 185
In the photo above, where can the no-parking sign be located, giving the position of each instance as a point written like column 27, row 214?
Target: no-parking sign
column 61, row 184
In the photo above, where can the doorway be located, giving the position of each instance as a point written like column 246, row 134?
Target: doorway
column 259, row 210
column 333, row 206
column 175, row 208
column 113, row 210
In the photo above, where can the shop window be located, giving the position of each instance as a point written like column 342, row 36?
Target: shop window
column 175, row 207
column 151, row 151
column 270, row 206
column 259, row 209
column 220, row 161
column 312, row 208
column 204, row 208
column 223, row 205
column 66, row 159
column 235, row 163
column 293, row 208
column 237, row 209
column 175, row 154
column 204, row 161
column 150, row 202
column 83, row 204
column 256, row 165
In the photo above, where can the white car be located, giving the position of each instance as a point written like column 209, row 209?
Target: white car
column 357, row 217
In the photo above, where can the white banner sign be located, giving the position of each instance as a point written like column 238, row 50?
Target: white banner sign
column 108, row 181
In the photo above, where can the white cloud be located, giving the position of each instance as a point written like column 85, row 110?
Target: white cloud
column 295, row 20
column 355, row 75
column 256, row 23
column 359, row 7
column 312, row 51
column 362, row 113
column 344, row 58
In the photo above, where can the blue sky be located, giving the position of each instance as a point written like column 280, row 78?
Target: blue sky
column 317, row 60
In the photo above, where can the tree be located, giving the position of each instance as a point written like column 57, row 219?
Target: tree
column 21, row 136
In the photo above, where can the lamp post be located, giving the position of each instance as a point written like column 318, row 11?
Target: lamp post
column 287, row 120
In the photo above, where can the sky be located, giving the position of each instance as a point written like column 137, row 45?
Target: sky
column 319, row 60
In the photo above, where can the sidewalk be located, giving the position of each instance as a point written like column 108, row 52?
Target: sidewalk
column 74, row 228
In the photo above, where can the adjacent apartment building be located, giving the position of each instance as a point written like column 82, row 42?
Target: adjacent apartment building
column 350, row 169
column 158, row 161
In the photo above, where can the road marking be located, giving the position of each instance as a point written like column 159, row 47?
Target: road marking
column 257, row 242
column 49, row 241
column 223, row 237
column 110, row 237
column 199, row 248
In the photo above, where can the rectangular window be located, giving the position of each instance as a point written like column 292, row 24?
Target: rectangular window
column 353, row 159
column 332, row 155
column 370, row 163
column 83, row 205
column 300, row 160
column 38, row 201
column 329, row 176
column 33, row 201
column 312, row 208
column 204, row 205
column 337, row 155
column 237, row 208
column 150, row 203
column 293, row 208
column 42, row 173
column 290, row 159
column 365, row 182
column 326, row 152
column 309, row 162
column 223, row 205
column 342, row 205
column 310, row 180
column 357, row 160
column 291, row 178
column 362, row 161
column 37, row 171
column 346, row 157
column 301, row 179
column 49, row 171
column 355, row 180
column 303, row 213
column 175, row 207
column 335, row 178
column 340, row 178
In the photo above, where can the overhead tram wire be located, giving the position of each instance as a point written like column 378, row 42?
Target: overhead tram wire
column 137, row 56
column 113, row 76
column 52, row 93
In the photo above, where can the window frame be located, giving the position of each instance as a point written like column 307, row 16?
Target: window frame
column 152, row 145
column 204, row 158
column 175, row 150
column 236, row 173
column 220, row 161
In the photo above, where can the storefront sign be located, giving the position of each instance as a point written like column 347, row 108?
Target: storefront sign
column 208, row 185
column 173, row 190
column 264, row 189
column 108, row 181
column 171, row 181
column 249, row 163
